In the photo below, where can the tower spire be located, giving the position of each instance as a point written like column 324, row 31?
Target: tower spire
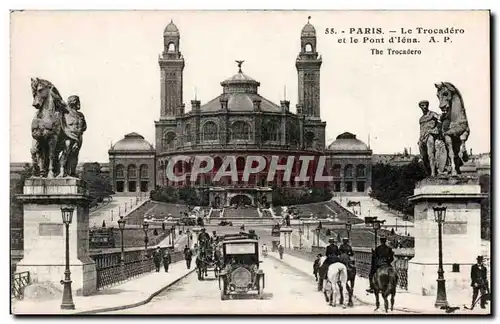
column 195, row 93
column 308, row 19
column 284, row 90
column 368, row 140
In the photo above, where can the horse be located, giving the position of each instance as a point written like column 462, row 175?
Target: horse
column 201, row 262
column 351, row 275
column 336, row 279
column 455, row 127
column 385, row 282
column 330, row 290
column 56, row 129
column 46, row 127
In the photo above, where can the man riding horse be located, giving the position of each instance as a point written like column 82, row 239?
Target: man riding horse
column 332, row 255
column 382, row 256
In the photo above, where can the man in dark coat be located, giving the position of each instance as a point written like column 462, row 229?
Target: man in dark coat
column 383, row 255
column 188, row 255
column 332, row 256
column 157, row 258
column 316, row 266
column 346, row 247
column 203, row 237
column 479, row 281
column 281, row 250
column 166, row 259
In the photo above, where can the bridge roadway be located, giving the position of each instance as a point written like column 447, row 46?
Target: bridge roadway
column 287, row 291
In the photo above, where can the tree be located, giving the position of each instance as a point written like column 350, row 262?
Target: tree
column 394, row 184
column 98, row 184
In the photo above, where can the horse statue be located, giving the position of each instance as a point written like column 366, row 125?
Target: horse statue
column 336, row 279
column 385, row 282
column 56, row 129
column 454, row 125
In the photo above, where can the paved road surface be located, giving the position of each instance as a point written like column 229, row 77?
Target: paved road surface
column 287, row 291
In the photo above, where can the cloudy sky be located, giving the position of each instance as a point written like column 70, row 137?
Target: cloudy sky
column 110, row 59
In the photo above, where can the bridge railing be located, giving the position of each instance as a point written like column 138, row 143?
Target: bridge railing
column 18, row 282
column 363, row 259
column 137, row 262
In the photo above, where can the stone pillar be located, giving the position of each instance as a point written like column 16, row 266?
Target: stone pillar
column 195, row 230
column 461, row 233
column 44, row 233
column 285, row 236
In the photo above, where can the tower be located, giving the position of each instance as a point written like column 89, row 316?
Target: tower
column 171, row 66
column 308, row 66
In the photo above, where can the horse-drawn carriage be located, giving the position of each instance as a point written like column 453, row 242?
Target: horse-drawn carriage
column 207, row 260
column 240, row 273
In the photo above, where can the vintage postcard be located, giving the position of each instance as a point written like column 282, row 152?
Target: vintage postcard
column 250, row 162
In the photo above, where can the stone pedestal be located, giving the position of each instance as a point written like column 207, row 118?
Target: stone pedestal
column 44, row 233
column 461, row 234
column 286, row 237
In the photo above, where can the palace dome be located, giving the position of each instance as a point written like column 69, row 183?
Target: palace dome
column 241, row 93
column 347, row 142
column 308, row 30
column 171, row 30
column 132, row 142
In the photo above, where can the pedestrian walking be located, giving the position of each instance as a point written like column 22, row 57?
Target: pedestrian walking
column 479, row 283
column 157, row 258
column 188, row 256
column 281, row 250
column 166, row 259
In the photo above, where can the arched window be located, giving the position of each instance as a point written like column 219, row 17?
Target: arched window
column 240, row 130
column 132, row 171
column 187, row 133
column 143, row 171
column 168, row 141
column 360, row 171
column 210, row 132
column 309, row 139
column 336, row 170
column 271, row 131
column 120, row 171
column 309, row 48
column 171, row 47
column 348, row 171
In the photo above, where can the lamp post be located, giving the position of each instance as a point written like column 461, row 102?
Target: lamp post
column 307, row 229
column 145, row 227
column 301, row 231
column 317, row 235
column 188, row 232
column 67, row 298
column 121, row 226
column 376, row 227
column 348, row 227
column 439, row 217
column 172, row 230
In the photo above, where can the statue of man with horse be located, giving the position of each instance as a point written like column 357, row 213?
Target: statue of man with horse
column 57, row 130
column 443, row 137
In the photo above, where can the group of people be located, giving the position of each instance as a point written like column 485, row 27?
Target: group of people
column 161, row 256
column 333, row 254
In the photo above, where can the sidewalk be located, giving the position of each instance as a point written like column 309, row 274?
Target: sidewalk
column 404, row 301
column 129, row 294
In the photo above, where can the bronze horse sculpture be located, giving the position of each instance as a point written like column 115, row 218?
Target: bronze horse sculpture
column 56, row 129
column 454, row 125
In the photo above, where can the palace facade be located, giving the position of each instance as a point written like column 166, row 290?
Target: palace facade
column 239, row 122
